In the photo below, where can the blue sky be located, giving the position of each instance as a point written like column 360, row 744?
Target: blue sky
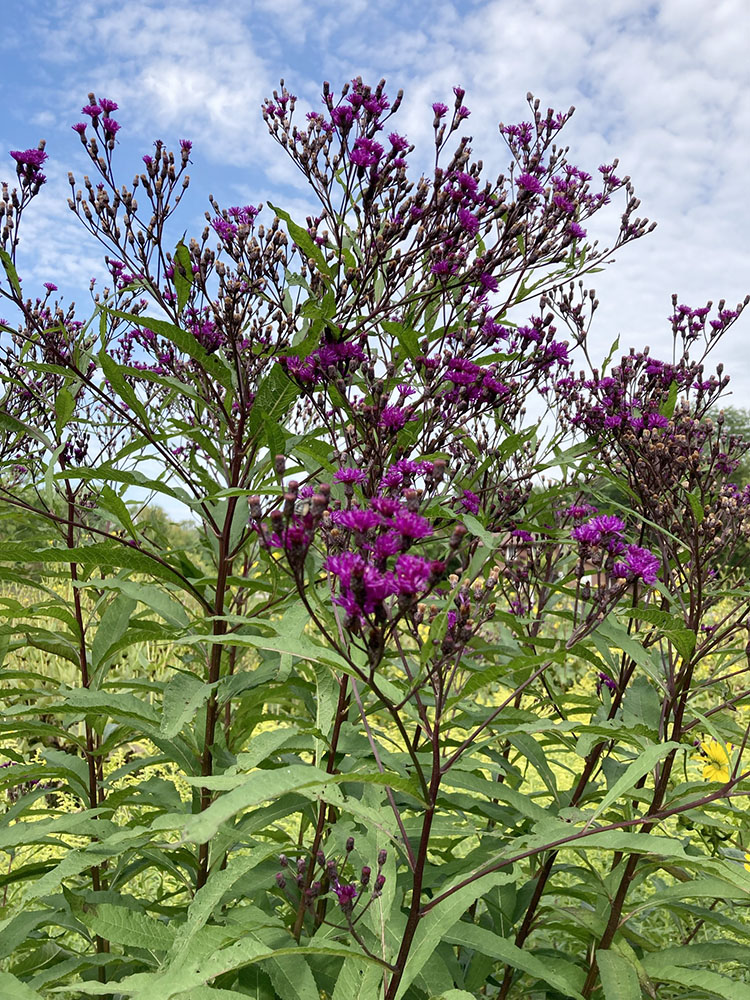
column 665, row 86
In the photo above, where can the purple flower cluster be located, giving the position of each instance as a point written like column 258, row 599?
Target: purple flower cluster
column 629, row 398
column 605, row 532
column 28, row 167
column 366, row 152
column 325, row 362
column 381, row 531
column 472, row 383
column 638, row 564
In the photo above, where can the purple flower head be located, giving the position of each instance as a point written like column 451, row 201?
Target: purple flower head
column 33, row 158
column 412, row 525
column 79, row 127
column 579, row 511
column 110, row 125
column 530, row 183
column 226, row 230
column 564, row 203
column 393, row 418
column 385, row 506
column 461, row 371
column 638, row 563
column 488, row 282
column 441, row 110
column 244, row 216
column 388, row 544
column 605, row 681
column 556, row 352
column 376, row 105
column 346, row 895
column 366, row 152
column 608, row 524
column 349, row 475
column 470, row 501
column 521, row 535
column 463, row 112
column 459, row 92
column 92, row 110
column 343, row 116
column 412, row 574
column 50, row 287
column 576, row 231
column 587, row 534
column 468, row 221
column 344, row 565
column 398, row 142
column 107, row 106
column 357, row 520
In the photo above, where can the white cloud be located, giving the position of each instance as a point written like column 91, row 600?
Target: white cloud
column 663, row 85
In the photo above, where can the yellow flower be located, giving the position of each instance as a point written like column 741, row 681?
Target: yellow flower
column 715, row 756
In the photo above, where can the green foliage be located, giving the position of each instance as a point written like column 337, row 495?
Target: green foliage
column 514, row 767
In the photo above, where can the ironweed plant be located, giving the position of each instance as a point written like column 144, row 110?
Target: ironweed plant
column 450, row 702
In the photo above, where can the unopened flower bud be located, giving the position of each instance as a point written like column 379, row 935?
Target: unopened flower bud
column 382, row 857
column 457, row 537
column 349, row 844
column 366, row 872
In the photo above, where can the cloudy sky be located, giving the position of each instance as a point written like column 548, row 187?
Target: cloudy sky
column 664, row 86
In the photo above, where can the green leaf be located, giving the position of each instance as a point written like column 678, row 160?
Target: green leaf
column 12, row 988
column 112, row 627
column 183, row 275
column 17, row 929
column 109, row 500
column 183, row 340
column 122, row 707
column 642, row 705
column 408, row 339
column 667, row 407
column 564, row 977
column 11, row 272
column 437, row 923
column 275, row 395
column 645, row 763
column 303, row 240
column 696, row 506
column 126, row 927
column 152, row 596
column 712, row 982
column 64, row 406
column 9, row 423
column 210, row 895
column 619, row 978
column 183, row 697
column 698, row 954
column 261, row 786
column 105, row 554
column 357, row 981
column 292, row 978
column 114, row 374
column 489, row 541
